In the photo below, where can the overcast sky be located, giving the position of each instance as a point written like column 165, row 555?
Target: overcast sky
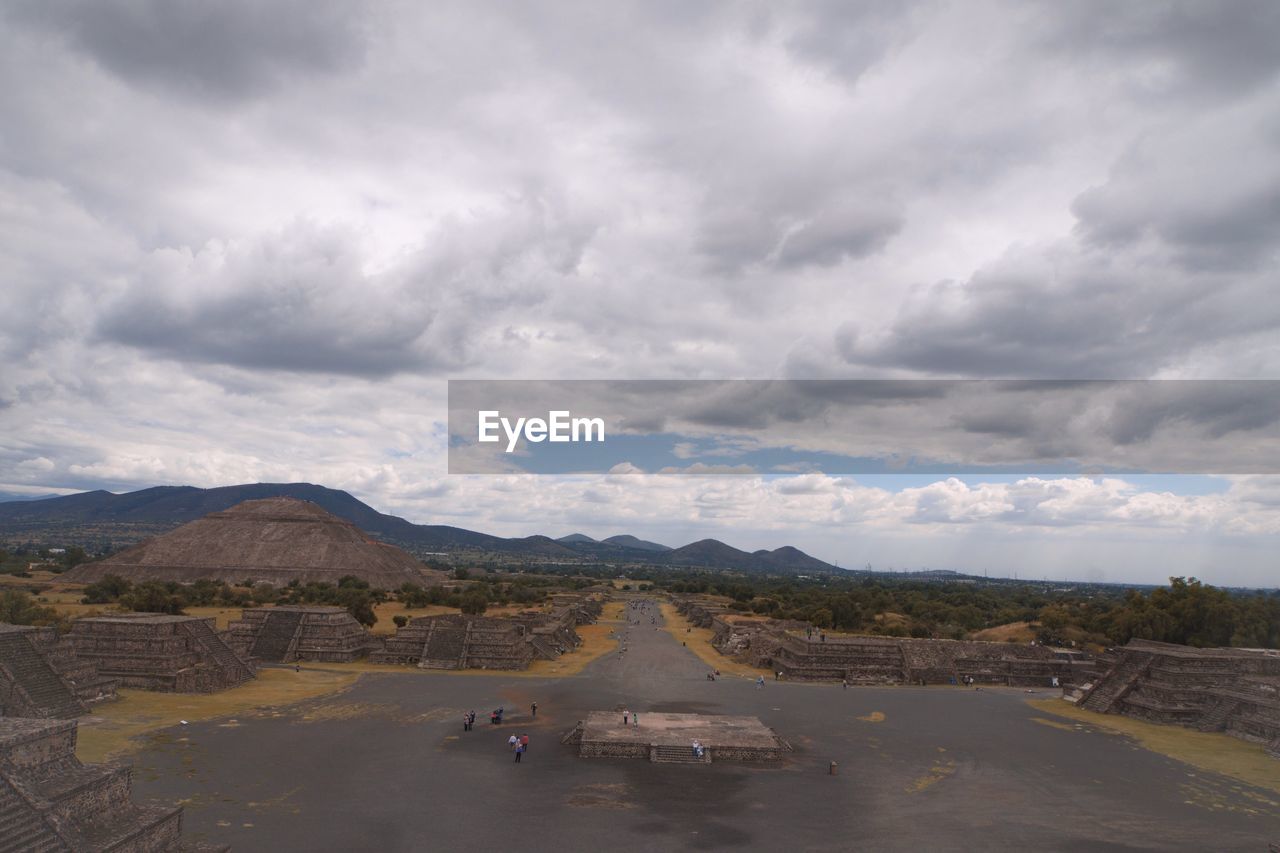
column 249, row 241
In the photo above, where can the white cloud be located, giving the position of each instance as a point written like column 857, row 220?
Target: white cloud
column 255, row 256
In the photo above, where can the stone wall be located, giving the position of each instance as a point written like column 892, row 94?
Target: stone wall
column 803, row 653
column 327, row 634
column 456, row 641
column 50, row 801
column 41, row 675
column 155, row 651
column 1225, row 690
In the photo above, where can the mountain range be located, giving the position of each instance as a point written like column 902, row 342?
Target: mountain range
column 100, row 516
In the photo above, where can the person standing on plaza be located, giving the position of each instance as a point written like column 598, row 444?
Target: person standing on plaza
column 519, row 753
column 513, row 742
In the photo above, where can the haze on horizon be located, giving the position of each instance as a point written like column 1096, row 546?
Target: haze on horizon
column 250, row 242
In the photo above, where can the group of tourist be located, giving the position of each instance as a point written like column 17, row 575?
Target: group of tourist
column 519, row 745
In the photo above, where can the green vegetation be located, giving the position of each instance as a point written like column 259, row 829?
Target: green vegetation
column 1187, row 611
column 17, row 607
column 476, row 596
column 21, row 559
column 169, row 597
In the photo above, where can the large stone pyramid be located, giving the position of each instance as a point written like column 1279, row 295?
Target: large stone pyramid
column 275, row 540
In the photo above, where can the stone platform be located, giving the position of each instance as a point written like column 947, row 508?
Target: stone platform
column 668, row 738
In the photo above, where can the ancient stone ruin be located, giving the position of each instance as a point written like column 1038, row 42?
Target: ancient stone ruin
column 42, row 676
column 457, row 641
column 666, row 738
column 50, row 802
column 454, row 641
column 802, row 653
column 1213, row 690
column 275, row 541
column 298, row 633
column 156, row 651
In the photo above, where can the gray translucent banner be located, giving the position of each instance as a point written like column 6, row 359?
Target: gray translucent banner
column 848, row 427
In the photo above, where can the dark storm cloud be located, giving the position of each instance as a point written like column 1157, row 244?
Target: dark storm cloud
column 222, row 50
column 1198, row 426
column 299, row 302
column 1193, row 48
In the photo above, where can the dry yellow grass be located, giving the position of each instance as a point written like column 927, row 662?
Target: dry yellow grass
column 1216, row 752
column 1018, row 632
column 118, row 727
column 699, row 642
column 38, row 577
column 596, row 643
column 224, row 616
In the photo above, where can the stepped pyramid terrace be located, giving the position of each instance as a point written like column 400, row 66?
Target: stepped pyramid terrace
column 274, row 540
column 803, row 653
column 456, row 641
column 157, row 651
column 1236, row 691
column 298, row 633
column 459, row 641
column 42, row 676
column 51, row 803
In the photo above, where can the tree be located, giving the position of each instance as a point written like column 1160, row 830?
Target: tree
column 105, row 591
column 153, row 597
column 19, row 608
column 359, row 603
column 400, row 619
column 473, row 602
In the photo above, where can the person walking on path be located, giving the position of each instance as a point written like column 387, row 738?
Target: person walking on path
column 524, row 742
column 759, row 682
column 635, row 720
column 533, row 709
column 845, row 683
column 626, row 715
column 519, row 752
column 513, row 742
column 466, row 722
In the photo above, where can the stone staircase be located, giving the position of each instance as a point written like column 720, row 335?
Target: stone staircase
column 47, row 692
column 22, row 828
column 444, row 649
column 543, row 647
column 667, row 754
column 278, row 636
column 1215, row 719
column 1118, row 681
column 49, row 801
column 237, row 670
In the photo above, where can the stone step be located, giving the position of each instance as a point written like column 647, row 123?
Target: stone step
column 38, row 679
column 21, row 827
column 664, row 754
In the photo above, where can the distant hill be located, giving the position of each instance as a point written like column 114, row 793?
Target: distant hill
column 714, row 553
column 788, row 558
column 98, row 516
column 627, row 541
